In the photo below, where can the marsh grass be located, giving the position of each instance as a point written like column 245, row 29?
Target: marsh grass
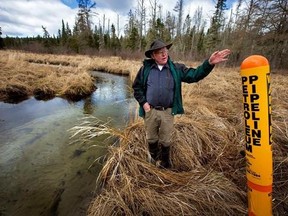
column 46, row 76
column 208, row 175
column 130, row 185
column 208, row 171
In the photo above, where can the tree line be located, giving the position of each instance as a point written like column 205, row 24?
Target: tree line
column 253, row 27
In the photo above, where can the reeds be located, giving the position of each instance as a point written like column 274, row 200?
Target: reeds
column 197, row 185
column 208, row 171
column 26, row 74
column 208, row 175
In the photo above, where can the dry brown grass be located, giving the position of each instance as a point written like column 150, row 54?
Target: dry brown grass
column 192, row 187
column 45, row 76
column 208, row 175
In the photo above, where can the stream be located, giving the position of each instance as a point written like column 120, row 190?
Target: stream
column 42, row 173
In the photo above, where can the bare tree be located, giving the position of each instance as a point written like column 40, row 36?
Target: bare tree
column 197, row 19
column 142, row 14
column 170, row 24
column 153, row 5
column 179, row 9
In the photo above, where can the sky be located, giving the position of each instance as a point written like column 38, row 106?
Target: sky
column 26, row 17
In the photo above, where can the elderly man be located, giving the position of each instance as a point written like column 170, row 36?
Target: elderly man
column 157, row 88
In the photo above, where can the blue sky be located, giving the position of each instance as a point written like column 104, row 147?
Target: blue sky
column 70, row 3
column 120, row 5
column 124, row 4
column 26, row 17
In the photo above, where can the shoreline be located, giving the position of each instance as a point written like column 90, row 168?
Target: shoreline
column 48, row 76
column 210, row 136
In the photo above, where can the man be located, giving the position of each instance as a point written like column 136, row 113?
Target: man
column 157, row 88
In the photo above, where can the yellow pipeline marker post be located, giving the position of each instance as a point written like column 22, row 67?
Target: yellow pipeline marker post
column 255, row 73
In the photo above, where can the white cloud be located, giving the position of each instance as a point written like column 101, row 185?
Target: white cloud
column 120, row 6
column 25, row 18
column 190, row 6
column 111, row 17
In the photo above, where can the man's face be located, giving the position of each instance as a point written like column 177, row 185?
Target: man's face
column 160, row 56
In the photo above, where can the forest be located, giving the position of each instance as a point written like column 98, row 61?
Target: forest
column 253, row 27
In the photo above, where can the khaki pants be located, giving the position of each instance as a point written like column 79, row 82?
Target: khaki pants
column 159, row 126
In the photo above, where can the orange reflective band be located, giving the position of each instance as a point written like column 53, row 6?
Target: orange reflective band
column 254, row 61
column 260, row 188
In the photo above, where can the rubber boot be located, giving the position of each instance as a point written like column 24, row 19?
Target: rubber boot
column 154, row 150
column 165, row 157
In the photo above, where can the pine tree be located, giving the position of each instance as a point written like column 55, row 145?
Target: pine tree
column 96, row 38
column 1, row 39
column 217, row 22
column 83, row 35
column 64, row 34
column 132, row 33
column 115, row 43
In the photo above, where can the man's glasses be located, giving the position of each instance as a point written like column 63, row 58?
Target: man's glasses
column 161, row 52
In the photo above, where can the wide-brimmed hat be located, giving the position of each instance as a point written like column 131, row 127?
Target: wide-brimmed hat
column 155, row 45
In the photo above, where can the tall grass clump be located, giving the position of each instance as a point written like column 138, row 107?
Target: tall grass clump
column 43, row 76
column 208, row 167
column 208, row 175
column 130, row 185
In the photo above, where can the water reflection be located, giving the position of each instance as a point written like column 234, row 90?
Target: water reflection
column 40, row 172
column 113, row 97
column 88, row 106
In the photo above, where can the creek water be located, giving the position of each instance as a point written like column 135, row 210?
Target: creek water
column 41, row 172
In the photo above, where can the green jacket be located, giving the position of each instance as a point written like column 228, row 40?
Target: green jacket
column 180, row 74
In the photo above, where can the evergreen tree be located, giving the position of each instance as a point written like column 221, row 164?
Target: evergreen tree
column 68, row 30
column 132, row 33
column 200, row 43
column 170, row 24
column 107, row 41
column 84, row 14
column 115, row 43
column 217, row 21
column 133, row 38
column 46, row 38
column 255, row 26
column 1, row 39
column 82, row 33
column 187, row 35
column 64, row 34
column 96, row 38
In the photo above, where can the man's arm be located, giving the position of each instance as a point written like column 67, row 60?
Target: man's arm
column 190, row 75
